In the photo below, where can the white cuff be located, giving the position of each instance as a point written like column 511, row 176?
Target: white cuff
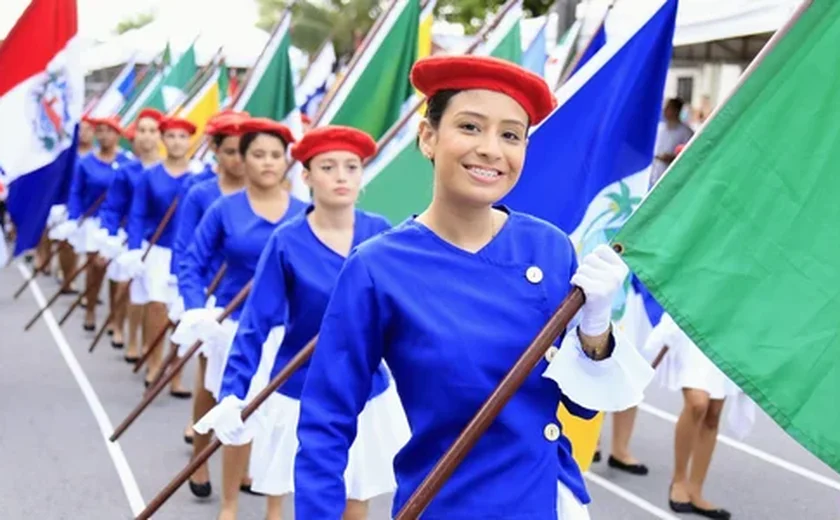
column 610, row 385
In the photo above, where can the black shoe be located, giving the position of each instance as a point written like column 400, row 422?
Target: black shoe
column 110, row 332
column 117, row 345
column 246, row 488
column 131, row 360
column 201, row 490
column 597, row 456
column 180, row 394
column 678, row 507
column 633, row 469
column 716, row 514
column 89, row 327
column 188, row 439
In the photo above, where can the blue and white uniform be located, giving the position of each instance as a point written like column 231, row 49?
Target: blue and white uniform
column 450, row 324
column 230, row 232
column 294, row 280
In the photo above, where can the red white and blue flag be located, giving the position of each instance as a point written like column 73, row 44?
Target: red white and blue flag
column 41, row 99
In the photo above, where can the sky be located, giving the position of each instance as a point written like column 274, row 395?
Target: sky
column 98, row 18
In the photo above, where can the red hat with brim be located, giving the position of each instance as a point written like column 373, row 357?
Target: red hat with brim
column 151, row 113
column 265, row 125
column 332, row 138
column 435, row 73
column 177, row 123
column 130, row 131
column 112, row 122
column 305, row 119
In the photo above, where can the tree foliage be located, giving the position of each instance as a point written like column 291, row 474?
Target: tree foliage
column 134, row 22
column 473, row 13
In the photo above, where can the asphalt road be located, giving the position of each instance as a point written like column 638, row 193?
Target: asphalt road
column 61, row 403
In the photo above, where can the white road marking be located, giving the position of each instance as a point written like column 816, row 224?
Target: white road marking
column 755, row 452
column 628, row 496
column 129, row 483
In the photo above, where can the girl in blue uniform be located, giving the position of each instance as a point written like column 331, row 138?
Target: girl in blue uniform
column 160, row 187
column 91, row 179
column 450, row 299
column 144, row 134
column 293, row 282
column 234, row 230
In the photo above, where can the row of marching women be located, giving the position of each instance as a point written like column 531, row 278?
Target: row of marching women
column 414, row 325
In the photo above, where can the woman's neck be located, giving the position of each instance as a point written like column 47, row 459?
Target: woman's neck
column 107, row 154
column 467, row 227
column 85, row 148
column 259, row 193
column 229, row 183
column 176, row 165
column 333, row 218
column 150, row 157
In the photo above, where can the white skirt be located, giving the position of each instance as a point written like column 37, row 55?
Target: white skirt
column 568, row 505
column 58, row 214
column 382, row 432
column 158, row 284
column 86, row 239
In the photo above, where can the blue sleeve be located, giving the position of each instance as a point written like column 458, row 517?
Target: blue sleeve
column 338, row 383
column 137, row 214
column 75, row 202
column 265, row 308
column 188, row 219
column 197, row 259
column 114, row 204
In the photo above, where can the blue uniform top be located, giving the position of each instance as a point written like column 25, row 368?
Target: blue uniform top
column 91, row 178
column 230, row 230
column 153, row 195
column 294, row 279
column 450, row 324
column 198, row 199
column 204, row 175
column 118, row 201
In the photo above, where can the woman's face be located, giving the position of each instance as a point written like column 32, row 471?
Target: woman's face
column 86, row 134
column 265, row 161
column 107, row 137
column 177, row 143
column 335, row 178
column 227, row 155
column 478, row 148
column 146, row 135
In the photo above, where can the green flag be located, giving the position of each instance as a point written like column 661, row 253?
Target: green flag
column 172, row 89
column 377, row 87
column 739, row 240
column 270, row 90
column 398, row 183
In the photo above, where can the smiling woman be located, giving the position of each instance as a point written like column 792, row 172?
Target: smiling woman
column 449, row 299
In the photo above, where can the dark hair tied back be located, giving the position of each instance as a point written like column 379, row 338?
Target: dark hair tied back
column 248, row 138
column 435, row 107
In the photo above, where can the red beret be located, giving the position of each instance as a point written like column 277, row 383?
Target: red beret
column 177, row 123
column 110, row 121
column 87, row 119
column 151, row 113
column 227, row 123
column 130, row 131
column 305, row 119
column 435, row 73
column 263, row 124
column 330, row 138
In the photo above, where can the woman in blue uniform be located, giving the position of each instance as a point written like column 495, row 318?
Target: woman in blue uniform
column 450, row 299
column 160, row 187
column 91, row 179
column 234, row 230
column 144, row 137
column 294, row 279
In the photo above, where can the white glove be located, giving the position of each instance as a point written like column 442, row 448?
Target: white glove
column 131, row 262
column 600, row 275
column 64, row 230
column 225, row 419
column 176, row 310
column 195, row 325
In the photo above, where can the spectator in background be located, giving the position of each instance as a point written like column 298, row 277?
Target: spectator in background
column 671, row 133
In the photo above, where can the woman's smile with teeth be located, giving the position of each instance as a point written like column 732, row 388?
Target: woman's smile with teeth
column 488, row 173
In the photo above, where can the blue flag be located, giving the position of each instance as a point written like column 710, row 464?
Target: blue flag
column 587, row 164
column 599, row 39
column 535, row 55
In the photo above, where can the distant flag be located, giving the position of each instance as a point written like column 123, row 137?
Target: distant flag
column 41, row 98
column 118, row 92
column 424, row 36
column 316, row 81
column 598, row 40
column 535, row 55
